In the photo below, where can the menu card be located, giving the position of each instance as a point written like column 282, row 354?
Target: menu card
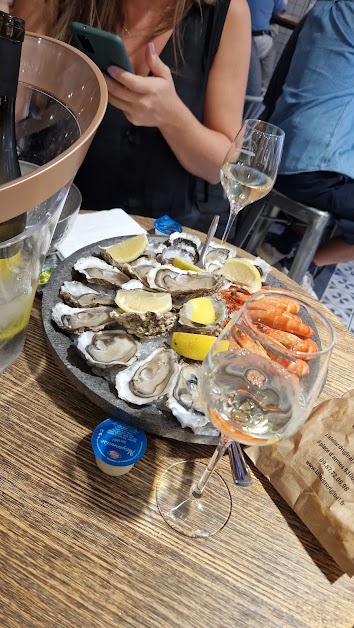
column 314, row 472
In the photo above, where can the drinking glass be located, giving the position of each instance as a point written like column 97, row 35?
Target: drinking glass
column 251, row 164
column 259, row 383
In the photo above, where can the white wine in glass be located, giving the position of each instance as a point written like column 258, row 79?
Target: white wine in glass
column 251, row 165
column 259, row 382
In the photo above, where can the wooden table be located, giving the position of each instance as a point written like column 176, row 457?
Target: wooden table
column 80, row 549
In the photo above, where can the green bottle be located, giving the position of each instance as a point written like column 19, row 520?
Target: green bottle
column 12, row 31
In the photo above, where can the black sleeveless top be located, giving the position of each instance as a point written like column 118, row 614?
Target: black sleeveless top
column 133, row 167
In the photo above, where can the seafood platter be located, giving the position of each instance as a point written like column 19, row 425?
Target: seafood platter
column 131, row 335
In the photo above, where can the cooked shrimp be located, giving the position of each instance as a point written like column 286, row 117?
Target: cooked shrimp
column 298, row 368
column 289, row 340
column 234, row 298
column 246, row 342
column 284, row 321
column 276, row 303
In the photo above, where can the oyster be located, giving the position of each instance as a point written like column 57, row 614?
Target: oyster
column 216, row 256
column 99, row 272
column 184, row 399
column 169, row 254
column 168, row 278
column 149, row 379
column 79, row 295
column 221, row 315
column 148, row 324
column 77, row 320
column 108, row 347
column 140, row 268
column 186, row 244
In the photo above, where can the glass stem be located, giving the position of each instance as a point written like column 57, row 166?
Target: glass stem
column 234, row 209
column 198, row 489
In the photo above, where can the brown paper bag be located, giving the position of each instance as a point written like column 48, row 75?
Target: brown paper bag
column 314, row 472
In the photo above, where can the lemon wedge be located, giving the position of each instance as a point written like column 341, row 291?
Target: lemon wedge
column 200, row 310
column 142, row 301
column 242, row 273
column 14, row 316
column 8, row 265
column 195, row 346
column 183, row 264
column 128, row 250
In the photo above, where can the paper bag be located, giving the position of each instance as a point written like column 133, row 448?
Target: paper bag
column 314, row 472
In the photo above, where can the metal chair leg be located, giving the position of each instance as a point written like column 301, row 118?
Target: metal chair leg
column 307, row 248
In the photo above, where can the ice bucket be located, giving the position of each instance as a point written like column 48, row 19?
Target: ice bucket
column 61, row 100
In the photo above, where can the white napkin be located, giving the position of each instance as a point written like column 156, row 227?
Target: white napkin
column 96, row 226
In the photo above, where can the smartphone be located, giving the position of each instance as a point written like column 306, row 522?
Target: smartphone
column 102, row 47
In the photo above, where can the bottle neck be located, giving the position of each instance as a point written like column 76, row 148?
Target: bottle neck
column 10, row 56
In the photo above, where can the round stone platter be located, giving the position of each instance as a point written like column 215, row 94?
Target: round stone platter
column 150, row 418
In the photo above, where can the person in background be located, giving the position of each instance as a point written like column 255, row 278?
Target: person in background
column 168, row 126
column 261, row 14
column 313, row 102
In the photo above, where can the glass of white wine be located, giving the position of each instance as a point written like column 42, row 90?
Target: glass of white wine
column 259, row 383
column 251, row 165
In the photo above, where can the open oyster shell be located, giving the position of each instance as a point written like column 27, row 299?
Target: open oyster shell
column 221, row 315
column 185, row 245
column 76, row 320
column 79, row 295
column 216, row 256
column 184, row 399
column 149, row 324
column 140, row 268
column 149, row 379
column 108, row 348
column 168, row 278
column 99, row 272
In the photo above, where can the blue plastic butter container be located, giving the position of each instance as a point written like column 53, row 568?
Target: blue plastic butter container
column 117, row 447
column 166, row 225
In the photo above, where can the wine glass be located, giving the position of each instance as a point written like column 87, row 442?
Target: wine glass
column 258, row 384
column 250, row 167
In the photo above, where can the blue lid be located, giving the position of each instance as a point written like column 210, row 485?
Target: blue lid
column 118, row 444
column 167, row 225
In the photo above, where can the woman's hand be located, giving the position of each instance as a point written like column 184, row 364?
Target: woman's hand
column 145, row 100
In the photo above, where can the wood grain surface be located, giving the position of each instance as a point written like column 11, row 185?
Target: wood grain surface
column 78, row 548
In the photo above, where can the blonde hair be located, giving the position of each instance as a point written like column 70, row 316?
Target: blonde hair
column 109, row 15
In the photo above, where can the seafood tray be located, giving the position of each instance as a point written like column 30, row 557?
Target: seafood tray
column 98, row 384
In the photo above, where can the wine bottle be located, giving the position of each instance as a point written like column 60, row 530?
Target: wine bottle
column 12, row 31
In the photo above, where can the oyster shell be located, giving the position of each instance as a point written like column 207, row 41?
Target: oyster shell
column 149, row 324
column 76, row 320
column 149, row 379
column 221, row 315
column 108, row 347
column 99, row 272
column 216, row 256
column 140, row 268
column 168, row 278
column 169, row 254
column 79, row 295
column 184, row 399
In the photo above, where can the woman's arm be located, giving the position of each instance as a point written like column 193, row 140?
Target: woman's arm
column 152, row 101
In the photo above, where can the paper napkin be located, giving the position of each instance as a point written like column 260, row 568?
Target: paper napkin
column 93, row 227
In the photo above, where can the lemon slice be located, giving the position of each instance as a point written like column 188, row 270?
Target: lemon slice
column 242, row 273
column 200, row 310
column 8, row 265
column 195, row 346
column 142, row 301
column 128, row 250
column 183, row 264
column 14, row 316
